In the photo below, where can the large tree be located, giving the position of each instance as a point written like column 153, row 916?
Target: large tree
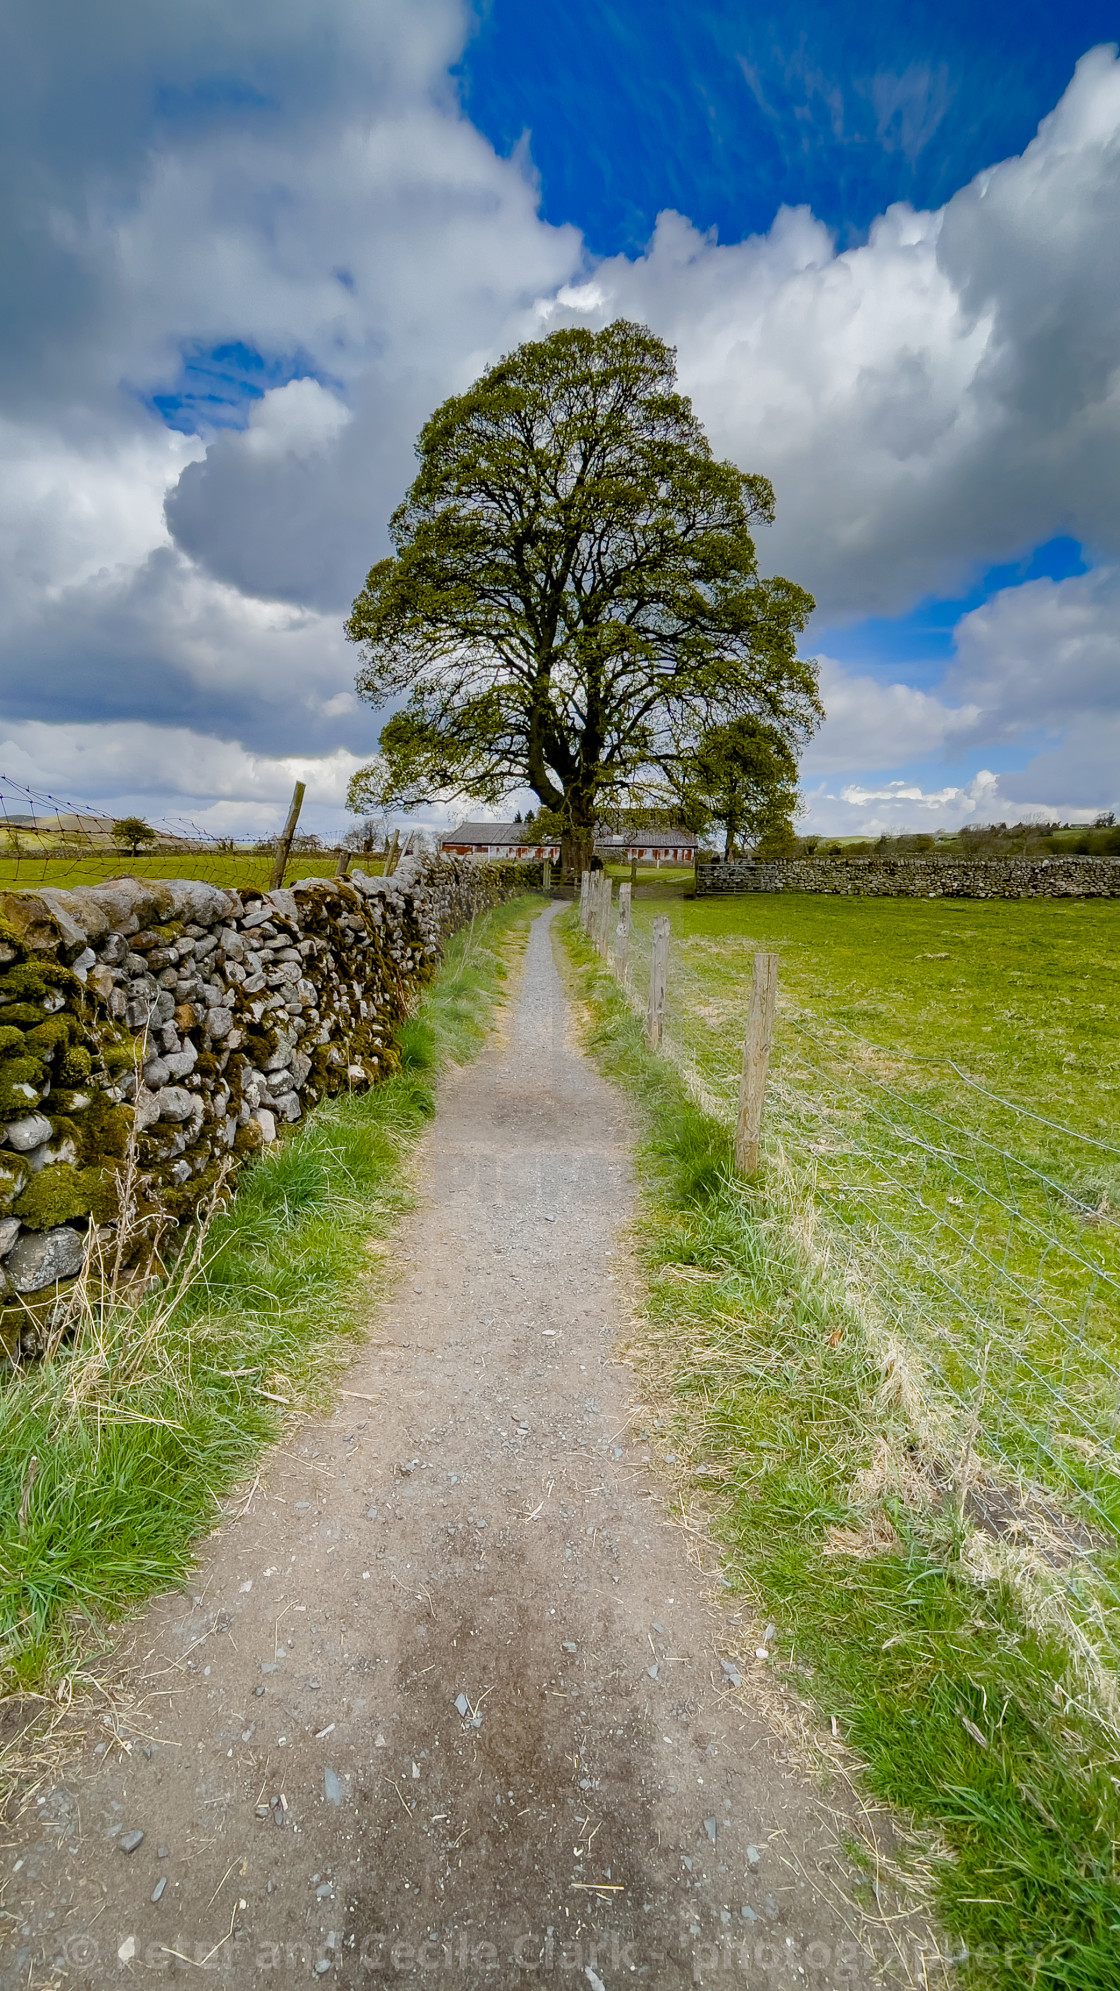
column 574, row 598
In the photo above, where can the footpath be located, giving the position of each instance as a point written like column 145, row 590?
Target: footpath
column 447, row 1700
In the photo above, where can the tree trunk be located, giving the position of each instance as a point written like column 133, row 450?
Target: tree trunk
column 576, row 847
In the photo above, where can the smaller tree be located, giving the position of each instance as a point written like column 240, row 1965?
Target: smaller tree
column 779, row 841
column 369, row 835
column 132, row 832
column 742, row 777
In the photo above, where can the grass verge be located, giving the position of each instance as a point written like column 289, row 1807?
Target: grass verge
column 115, row 1453
column 777, row 1400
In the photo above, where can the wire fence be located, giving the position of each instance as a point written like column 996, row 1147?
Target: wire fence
column 982, row 1240
column 48, row 840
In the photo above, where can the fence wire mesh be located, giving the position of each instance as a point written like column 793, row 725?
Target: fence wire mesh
column 982, row 1238
column 48, row 840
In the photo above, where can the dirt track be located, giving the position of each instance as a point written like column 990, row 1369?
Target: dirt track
column 602, row 1807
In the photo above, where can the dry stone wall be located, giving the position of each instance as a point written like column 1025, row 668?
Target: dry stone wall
column 921, row 877
column 173, row 1026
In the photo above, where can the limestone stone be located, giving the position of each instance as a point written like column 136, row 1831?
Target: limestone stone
column 48, row 1152
column 146, row 1107
column 28, row 1133
column 39, row 1258
column 175, row 1103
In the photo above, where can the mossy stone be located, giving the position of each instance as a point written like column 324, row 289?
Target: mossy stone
column 119, row 1054
column 56, row 1033
column 75, row 1064
column 102, row 1130
column 16, row 1076
column 57, row 1194
column 32, row 980
column 14, row 1171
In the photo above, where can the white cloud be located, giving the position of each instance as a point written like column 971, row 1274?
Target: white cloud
column 295, row 420
column 1040, row 654
column 942, row 396
column 894, row 806
column 875, row 725
column 173, row 771
column 1037, row 664
column 73, row 504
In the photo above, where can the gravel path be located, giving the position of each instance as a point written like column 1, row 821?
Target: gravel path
column 447, row 1702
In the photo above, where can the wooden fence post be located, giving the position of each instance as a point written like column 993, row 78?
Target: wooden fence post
column 633, row 872
column 546, row 874
column 622, row 932
column 658, row 976
column 283, row 848
column 603, row 934
column 756, row 1061
column 584, row 895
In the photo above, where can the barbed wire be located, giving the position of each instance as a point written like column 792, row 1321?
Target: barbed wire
column 47, row 839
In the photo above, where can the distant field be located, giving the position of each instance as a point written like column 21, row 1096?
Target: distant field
column 240, row 868
column 229, row 868
column 985, row 1237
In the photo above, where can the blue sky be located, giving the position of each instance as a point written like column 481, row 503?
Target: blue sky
column 247, row 250
column 727, row 112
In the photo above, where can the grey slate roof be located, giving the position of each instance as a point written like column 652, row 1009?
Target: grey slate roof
column 509, row 833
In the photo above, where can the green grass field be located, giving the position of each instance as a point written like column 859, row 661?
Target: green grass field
column 945, row 1083
column 887, row 1364
column 234, row 870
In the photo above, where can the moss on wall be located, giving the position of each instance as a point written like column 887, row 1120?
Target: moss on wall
column 179, row 1026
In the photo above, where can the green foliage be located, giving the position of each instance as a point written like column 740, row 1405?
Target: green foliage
column 133, row 832
column 777, row 841
column 574, row 595
column 772, row 1400
column 741, row 776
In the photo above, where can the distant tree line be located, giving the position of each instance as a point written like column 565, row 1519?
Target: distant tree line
column 1054, row 839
